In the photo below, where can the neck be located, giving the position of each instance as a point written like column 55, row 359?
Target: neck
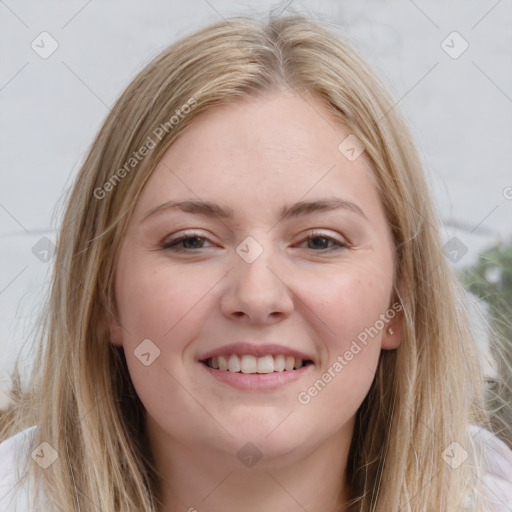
column 205, row 479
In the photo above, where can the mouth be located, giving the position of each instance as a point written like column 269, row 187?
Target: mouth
column 256, row 366
column 249, row 364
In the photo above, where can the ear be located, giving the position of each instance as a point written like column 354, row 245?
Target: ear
column 109, row 328
column 115, row 331
column 393, row 330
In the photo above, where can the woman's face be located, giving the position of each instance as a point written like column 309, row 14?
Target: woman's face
column 281, row 246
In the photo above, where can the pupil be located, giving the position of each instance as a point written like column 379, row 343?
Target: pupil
column 324, row 240
column 193, row 238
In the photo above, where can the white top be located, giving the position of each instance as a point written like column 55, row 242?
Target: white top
column 17, row 451
column 14, row 458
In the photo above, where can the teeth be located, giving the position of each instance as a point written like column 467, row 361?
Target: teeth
column 265, row 364
column 234, row 364
column 278, row 363
column 223, row 363
column 252, row 364
column 249, row 364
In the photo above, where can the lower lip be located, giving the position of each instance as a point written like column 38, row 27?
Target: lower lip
column 257, row 381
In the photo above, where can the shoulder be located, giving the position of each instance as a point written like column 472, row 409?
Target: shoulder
column 496, row 461
column 14, row 459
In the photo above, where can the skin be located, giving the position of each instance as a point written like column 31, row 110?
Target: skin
column 255, row 157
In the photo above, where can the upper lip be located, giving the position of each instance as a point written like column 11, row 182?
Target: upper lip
column 257, row 350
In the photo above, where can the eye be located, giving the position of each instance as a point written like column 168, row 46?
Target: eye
column 184, row 243
column 189, row 242
column 321, row 242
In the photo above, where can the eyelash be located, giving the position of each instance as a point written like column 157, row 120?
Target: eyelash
column 173, row 244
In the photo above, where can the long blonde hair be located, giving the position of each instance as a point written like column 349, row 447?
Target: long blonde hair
column 425, row 392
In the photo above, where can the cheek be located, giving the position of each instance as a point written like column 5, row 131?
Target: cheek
column 165, row 305
column 157, row 303
column 349, row 308
column 350, row 301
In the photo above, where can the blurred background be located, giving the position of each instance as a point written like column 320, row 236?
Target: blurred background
column 448, row 63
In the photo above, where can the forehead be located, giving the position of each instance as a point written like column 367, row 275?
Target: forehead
column 274, row 149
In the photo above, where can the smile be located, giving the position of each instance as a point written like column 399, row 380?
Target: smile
column 250, row 364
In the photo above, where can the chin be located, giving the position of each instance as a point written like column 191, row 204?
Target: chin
column 275, row 446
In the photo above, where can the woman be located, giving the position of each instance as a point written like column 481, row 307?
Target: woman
column 250, row 307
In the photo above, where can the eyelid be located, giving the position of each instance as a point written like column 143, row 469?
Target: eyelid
column 320, row 233
column 191, row 232
column 177, row 237
column 342, row 243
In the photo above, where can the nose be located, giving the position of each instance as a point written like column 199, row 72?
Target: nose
column 257, row 292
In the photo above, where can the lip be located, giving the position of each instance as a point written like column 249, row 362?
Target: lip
column 257, row 350
column 257, row 381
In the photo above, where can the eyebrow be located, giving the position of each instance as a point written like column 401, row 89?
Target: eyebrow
column 210, row 209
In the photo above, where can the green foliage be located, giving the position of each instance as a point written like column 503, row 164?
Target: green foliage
column 491, row 281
